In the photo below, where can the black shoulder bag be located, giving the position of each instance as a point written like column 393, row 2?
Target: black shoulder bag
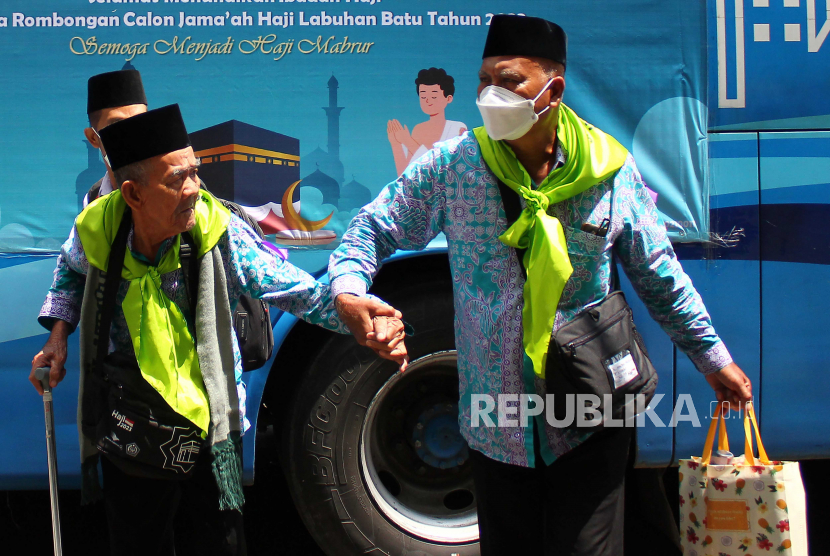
column 252, row 317
column 598, row 356
column 136, row 428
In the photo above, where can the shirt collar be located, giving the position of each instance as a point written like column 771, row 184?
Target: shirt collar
column 165, row 246
column 106, row 186
column 560, row 158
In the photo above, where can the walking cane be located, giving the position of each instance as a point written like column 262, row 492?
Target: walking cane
column 42, row 374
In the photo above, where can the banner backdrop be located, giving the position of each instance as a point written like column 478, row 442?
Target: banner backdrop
column 321, row 92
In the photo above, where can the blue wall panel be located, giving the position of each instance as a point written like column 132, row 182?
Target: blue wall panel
column 795, row 251
column 728, row 279
column 731, row 291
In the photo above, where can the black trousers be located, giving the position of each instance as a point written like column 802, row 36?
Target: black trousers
column 573, row 507
column 143, row 515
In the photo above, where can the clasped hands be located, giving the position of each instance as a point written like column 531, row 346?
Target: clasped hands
column 398, row 133
column 374, row 325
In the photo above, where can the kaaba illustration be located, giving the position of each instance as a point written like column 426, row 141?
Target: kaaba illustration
column 260, row 170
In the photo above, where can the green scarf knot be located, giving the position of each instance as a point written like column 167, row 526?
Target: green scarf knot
column 591, row 157
column 153, row 273
column 162, row 342
column 536, row 200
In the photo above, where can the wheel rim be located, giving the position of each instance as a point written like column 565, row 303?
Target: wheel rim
column 414, row 461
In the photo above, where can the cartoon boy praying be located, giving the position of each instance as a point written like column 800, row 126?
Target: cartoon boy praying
column 435, row 90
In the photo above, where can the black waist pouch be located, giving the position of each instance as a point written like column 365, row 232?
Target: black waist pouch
column 138, row 430
column 600, row 355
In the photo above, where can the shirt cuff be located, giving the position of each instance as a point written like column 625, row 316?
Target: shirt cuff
column 58, row 308
column 713, row 360
column 348, row 283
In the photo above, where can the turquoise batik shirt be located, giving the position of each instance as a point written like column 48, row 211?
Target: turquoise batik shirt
column 251, row 268
column 450, row 190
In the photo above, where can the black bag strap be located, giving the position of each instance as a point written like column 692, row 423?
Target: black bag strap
column 615, row 274
column 512, row 209
column 113, row 280
column 187, row 255
column 190, row 266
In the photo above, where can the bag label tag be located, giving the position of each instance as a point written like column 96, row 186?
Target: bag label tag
column 622, row 368
column 727, row 515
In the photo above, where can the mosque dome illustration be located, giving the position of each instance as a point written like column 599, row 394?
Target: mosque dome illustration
column 354, row 195
column 320, row 160
column 327, row 185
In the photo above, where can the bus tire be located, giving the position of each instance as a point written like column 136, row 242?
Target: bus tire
column 374, row 459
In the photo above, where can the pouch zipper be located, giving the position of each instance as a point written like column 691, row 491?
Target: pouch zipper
column 571, row 346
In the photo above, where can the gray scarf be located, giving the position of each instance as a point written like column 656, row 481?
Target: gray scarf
column 214, row 330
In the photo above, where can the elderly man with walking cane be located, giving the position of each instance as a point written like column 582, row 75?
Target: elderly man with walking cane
column 161, row 394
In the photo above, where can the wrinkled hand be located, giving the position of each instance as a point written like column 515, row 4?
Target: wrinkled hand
column 52, row 355
column 374, row 325
column 731, row 385
column 387, row 340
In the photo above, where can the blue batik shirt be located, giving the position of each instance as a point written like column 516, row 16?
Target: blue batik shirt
column 451, row 190
column 251, row 268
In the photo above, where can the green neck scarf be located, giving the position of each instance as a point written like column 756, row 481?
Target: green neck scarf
column 592, row 156
column 164, row 348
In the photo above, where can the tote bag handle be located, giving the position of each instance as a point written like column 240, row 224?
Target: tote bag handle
column 718, row 423
column 719, row 426
column 749, row 417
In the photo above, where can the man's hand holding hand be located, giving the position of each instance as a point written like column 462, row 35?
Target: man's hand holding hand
column 731, row 385
column 387, row 340
column 374, row 325
column 52, row 355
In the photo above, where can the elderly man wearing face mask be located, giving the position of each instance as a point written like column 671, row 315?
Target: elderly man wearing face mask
column 579, row 198
column 111, row 97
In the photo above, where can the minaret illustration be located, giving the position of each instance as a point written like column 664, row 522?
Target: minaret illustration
column 324, row 171
column 319, row 161
column 333, row 113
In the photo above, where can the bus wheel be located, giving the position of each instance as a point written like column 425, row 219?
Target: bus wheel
column 375, row 460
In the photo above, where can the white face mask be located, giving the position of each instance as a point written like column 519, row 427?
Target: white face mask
column 507, row 115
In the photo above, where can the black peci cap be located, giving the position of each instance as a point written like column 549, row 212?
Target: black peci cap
column 517, row 35
column 144, row 136
column 114, row 89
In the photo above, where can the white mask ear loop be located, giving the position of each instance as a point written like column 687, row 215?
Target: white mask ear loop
column 545, row 88
column 105, row 157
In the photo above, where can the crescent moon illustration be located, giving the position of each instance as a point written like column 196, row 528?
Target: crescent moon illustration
column 294, row 219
